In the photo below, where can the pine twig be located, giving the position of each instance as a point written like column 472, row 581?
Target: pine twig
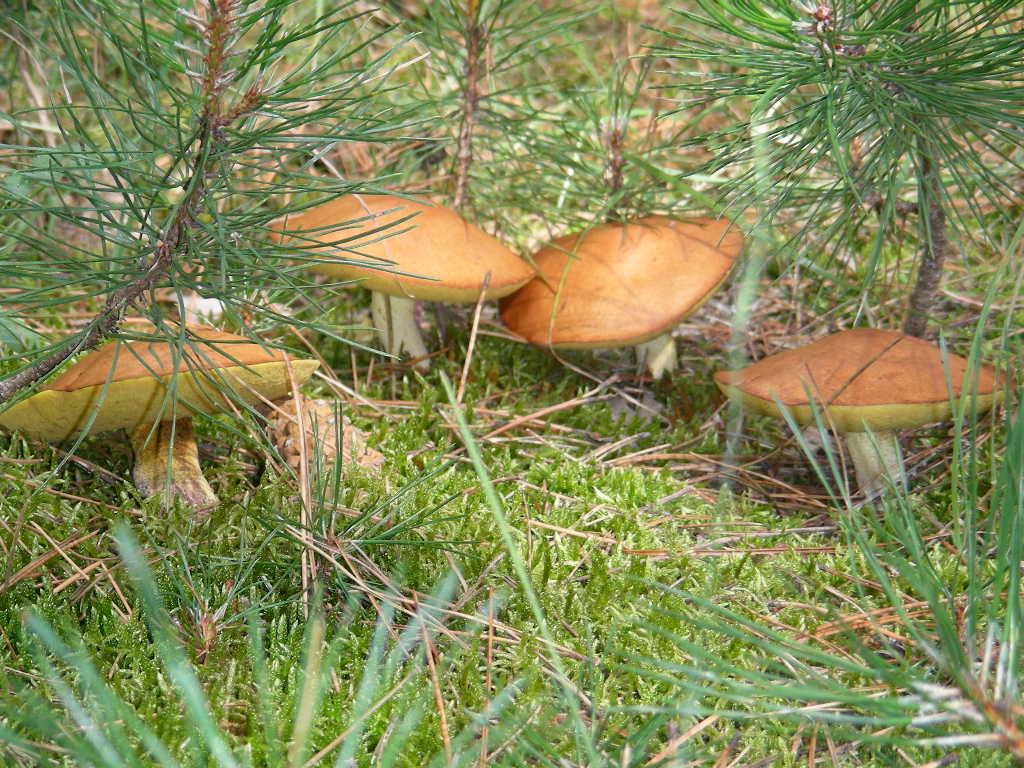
column 614, row 139
column 217, row 31
column 474, row 37
column 933, row 256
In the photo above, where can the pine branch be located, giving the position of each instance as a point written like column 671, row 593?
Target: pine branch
column 170, row 249
column 920, row 307
column 482, row 94
column 475, row 43
column 860, row 96
column 614, row 139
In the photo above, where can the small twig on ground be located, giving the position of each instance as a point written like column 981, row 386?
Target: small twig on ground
column 308, row 564
column 672, row 747
column 587, row 397
column 428, row 650
column 488, row 681
column 29, row 568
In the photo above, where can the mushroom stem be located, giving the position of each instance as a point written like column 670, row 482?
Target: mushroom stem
column 395, row 320
column 658, row 354
column 173, row 443
column 876, row 457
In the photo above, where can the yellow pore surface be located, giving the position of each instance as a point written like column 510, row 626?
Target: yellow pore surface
column 125, row 385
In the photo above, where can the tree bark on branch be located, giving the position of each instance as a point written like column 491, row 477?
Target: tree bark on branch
column 474, row 39
column 921, row 305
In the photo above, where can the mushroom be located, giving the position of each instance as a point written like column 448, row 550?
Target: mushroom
column 426, row 252
column 151, row 390
column 619, row 285
column 867, row 383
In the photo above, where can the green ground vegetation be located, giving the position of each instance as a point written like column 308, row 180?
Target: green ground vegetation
column 565, row 566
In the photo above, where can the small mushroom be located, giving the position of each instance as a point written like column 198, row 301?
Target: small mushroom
column 619, row 285
column 426, row 253
column 867, row 383
column 151, row 390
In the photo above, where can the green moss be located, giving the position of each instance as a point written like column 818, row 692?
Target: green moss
column 597, row 539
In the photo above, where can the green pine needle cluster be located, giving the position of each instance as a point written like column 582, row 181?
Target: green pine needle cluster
column 861, row 114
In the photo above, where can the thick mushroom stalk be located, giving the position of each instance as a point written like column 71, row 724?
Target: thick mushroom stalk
column 394, row 317
column 876, row 459
column 658, row 355
column 167, row 453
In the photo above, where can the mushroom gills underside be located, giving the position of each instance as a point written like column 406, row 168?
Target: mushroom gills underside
column 55, row 415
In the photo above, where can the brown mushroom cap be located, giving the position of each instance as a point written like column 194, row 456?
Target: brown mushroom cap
column 864, row 378
column 125, row 384
column 620, row 284
column 435, row 243
column 720, row 234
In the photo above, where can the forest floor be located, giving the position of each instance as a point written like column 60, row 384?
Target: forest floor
column 612, row 485
column 406, row 589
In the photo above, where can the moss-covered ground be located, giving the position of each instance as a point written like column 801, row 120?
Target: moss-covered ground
column 626, row 502
column 606, row 500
